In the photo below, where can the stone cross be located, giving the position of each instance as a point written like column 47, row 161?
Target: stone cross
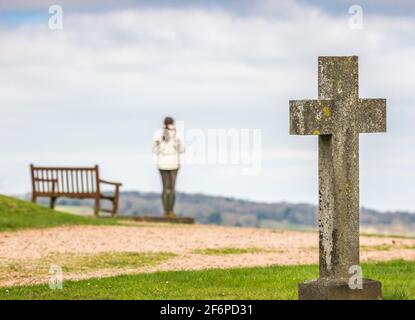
column 337, row 117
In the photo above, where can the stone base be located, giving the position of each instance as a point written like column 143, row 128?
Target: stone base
column 328, row 289
column 185, row 220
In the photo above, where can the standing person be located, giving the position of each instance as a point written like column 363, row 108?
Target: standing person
column 168, row 145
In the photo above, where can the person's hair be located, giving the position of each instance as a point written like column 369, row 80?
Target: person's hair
column 168, row 120
column 166, row 133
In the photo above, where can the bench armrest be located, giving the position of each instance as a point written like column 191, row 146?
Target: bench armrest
column 110, row 182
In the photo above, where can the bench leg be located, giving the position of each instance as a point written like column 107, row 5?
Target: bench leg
column 114, row 207
column 52, row 203
column 33, row 198
column 96, row 207
column 115, row 202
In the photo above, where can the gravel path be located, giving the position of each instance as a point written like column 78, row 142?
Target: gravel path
column 275, row 247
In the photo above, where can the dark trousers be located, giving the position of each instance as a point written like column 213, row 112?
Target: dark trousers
column 168, row 196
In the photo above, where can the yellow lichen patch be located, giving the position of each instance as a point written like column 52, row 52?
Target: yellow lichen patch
column 326, row 112
column 316, row 132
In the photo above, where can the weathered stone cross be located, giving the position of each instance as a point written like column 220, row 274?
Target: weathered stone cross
column 337, row 117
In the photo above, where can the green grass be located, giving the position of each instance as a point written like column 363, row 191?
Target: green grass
column 221, row 251
column 380, row 235
column 114, row 260
column 71, row 262
column 17, row 214
column 277, row 282
column 387, row 247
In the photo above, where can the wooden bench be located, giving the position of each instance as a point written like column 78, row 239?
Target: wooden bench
column 76, row 182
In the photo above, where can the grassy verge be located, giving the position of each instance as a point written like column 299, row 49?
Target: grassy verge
column 85, row 263
column 221, row 251
column 277, row 282
column 17, row 214
column 387, row 247
column 391, row 235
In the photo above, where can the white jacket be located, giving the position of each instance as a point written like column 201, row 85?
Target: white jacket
column 168, row 152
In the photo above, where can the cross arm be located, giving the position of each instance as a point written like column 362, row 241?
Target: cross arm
column 372, row 115
column 311, row 117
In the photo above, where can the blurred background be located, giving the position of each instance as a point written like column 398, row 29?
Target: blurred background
column 95, row 88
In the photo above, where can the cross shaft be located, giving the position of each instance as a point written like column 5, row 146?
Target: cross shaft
column 337, row 117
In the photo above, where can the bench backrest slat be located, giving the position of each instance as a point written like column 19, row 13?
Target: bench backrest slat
column 82, row 180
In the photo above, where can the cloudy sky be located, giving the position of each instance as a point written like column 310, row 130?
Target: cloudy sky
column 96, row 90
